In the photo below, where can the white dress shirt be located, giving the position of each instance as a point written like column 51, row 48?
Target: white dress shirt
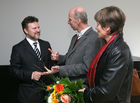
column 31, row 43
column 80, row 34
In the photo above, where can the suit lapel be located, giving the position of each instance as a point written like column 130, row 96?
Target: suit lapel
column 77, row 45
column 79, row 42
column 29, row 48
column 41, row 48
column 72, row 43
column 82, row 39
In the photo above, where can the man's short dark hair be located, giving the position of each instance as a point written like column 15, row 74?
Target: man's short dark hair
column 27, row 20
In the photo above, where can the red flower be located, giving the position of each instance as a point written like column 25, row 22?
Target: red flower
column 55, row 101
column 65, row 98
column 48, row 87
column 59, row 88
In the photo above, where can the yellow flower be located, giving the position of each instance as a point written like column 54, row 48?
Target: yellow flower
column 54, row 87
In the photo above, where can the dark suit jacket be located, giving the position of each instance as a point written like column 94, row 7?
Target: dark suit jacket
column 24, row 61
column 77, row 60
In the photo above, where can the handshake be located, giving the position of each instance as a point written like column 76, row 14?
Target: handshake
column 54, row 69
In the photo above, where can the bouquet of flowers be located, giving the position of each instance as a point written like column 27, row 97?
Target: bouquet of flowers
column 64, row 91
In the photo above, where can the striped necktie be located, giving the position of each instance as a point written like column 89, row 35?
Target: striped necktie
column 37, row 50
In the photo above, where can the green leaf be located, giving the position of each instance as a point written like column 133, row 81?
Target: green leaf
column 65, row 81
column 70, row 88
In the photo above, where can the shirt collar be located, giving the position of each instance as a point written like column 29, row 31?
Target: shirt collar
column 31, row 41
column 80, row 34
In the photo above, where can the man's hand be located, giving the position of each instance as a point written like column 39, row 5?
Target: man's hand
column 36, row 75
column 53, row 70
column 54, row 55
column 81, row 90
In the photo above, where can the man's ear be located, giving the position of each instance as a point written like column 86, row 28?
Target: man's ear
column 25, row 30
column 78, row 20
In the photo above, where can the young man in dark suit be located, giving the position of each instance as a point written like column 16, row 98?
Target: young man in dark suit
column 28, row 59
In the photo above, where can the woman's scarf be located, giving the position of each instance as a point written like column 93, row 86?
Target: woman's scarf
column 93, row 66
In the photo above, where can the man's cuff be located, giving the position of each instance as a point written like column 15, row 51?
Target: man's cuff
column 32, row 76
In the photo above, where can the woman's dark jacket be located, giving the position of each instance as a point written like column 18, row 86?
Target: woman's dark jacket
column 113, row 75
